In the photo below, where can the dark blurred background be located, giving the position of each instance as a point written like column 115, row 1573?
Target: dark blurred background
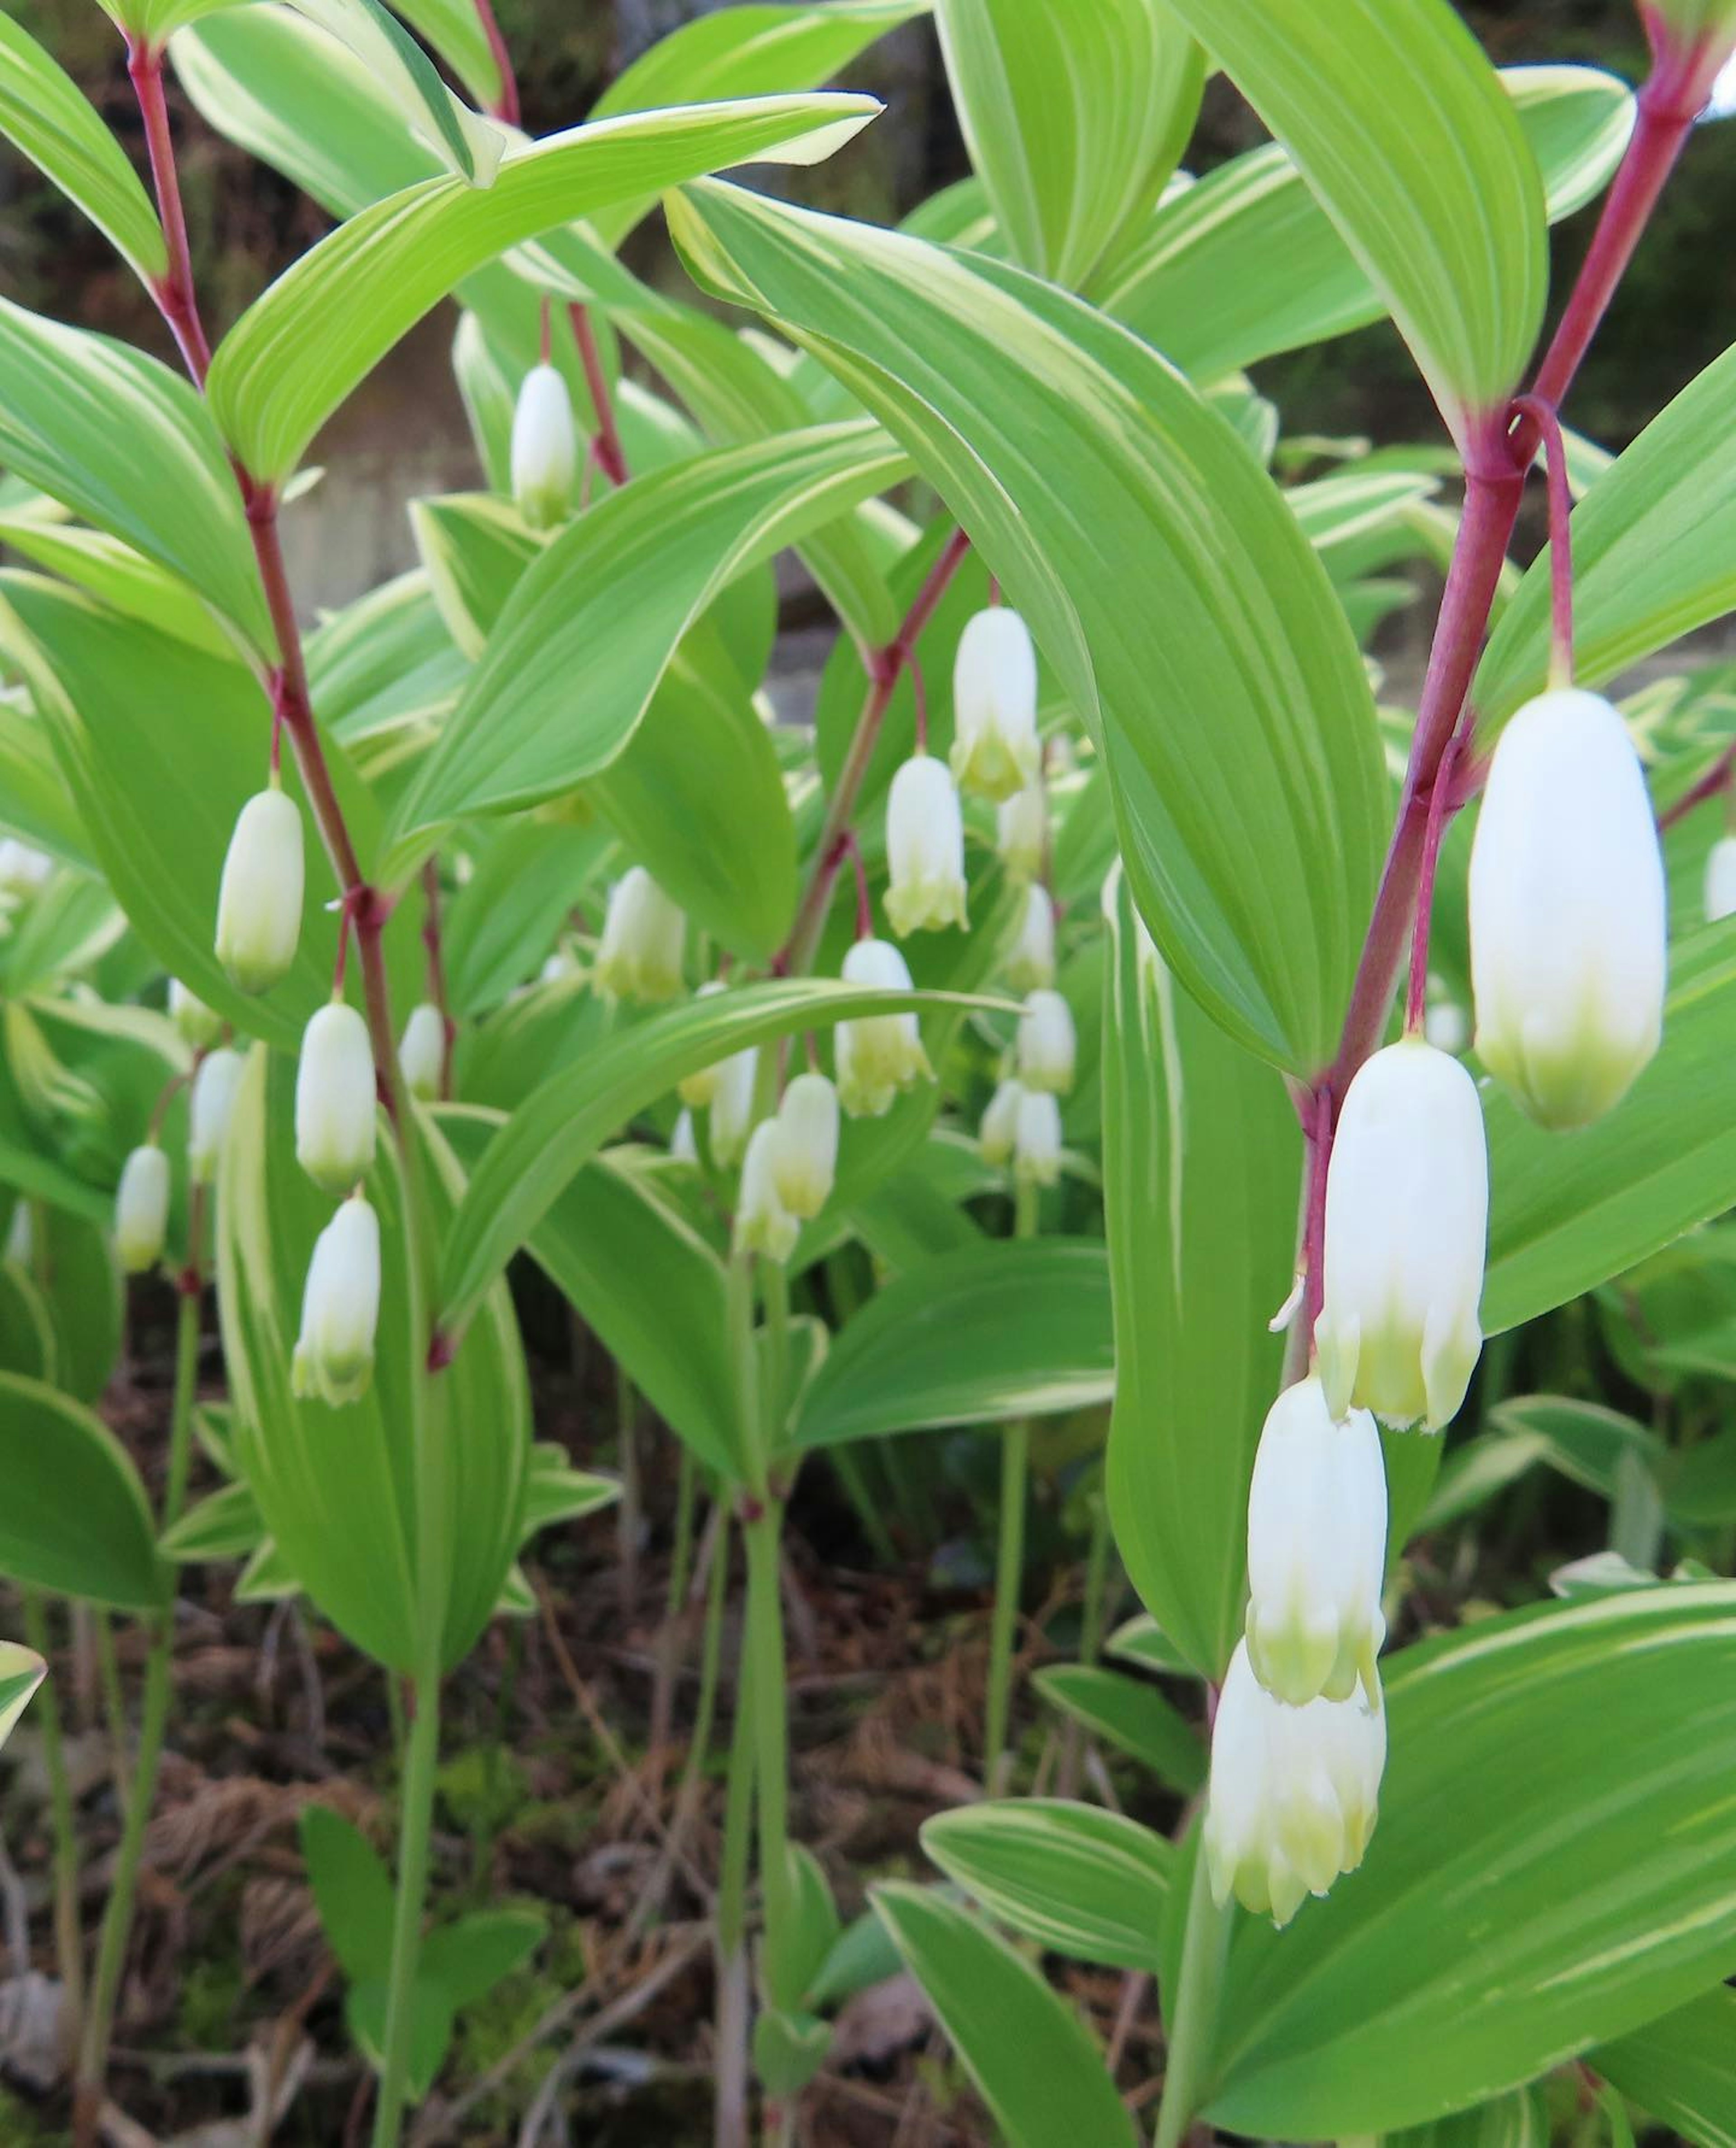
column 405, row 434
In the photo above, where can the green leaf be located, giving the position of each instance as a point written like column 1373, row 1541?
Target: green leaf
column 27, row 1331
column 129, row 445
column 1247, row 263
column 1584, row 1441
column 1565, row 1216
column 1654, row 554
column 1061, row 442
column 316, row 333
column 1557, row 1810
column 1202, row 1159
column 475, row 550
column 75, row 1518
column 1398, row 124
column 551, row 1136
column 648, row 1285
column 76, row 1269
column 120, row 577
column 1080, row 1881
column 352, row 1890
column 1000, row 1329
column 753, row 50
column 554, row 1491
column 1143, row 1641
column 338, row 1489
column 499, row 928
column 385, row 661
column 21, row 1671
column 224, row 1525
column 588, row 632
column 1681, row 2069
column 1029, row 2057
column 1132, row 1716
column 468, row 1957
column 1518, row 2120
column 406, row 80
column 1073, row 116
column 44, row 111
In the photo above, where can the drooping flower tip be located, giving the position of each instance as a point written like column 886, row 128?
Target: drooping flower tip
column 335, row 1094
column 763, row 1224
column 1293, row 1793
column 334, row 1359
column 199, row 1027
column 1568, row 912
column 1407, row 1219
column 213, row 1099
column 1316, row 1542
column 639, row 955
column 878, row 1056
column 732, row 1104
column 995, row 745
column 260, row 897
column 1037, row 1138
column 545, row 448
column 141, row 1209
column 1031, row 967
column 1048, row 1047
column 684, row 1147
column 925, row 890
column 998, row 1132
column 422, row 1052
column 804, row 1162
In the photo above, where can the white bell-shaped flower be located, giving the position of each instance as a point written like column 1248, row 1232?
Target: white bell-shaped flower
column 260, row 897
column 1407, row 1219
column 1031, row 964
column 999, row 1131
column 545, row 448
column 763, row 1224
column 1293, row 1793
column 1721, row 878
column 1568, row 912
column 1048, row 1048
column 878, row 1056
column 1317, row 1545
column 732, row 1106
column 197, row 1025
column 334, row 1359
column 334, row 1099
column 924, row 849
column 683, row 1145
column 804, row 1162
column 639, row 955
column 1022, row 830
column 994, row 746
column 696, row 1090
column 207, row 1118
column 141, row 1209
column 1036, row 1138
column 422, row 1052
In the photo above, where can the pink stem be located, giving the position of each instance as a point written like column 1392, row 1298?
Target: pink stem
column 920, row 691
column 610, row 456
column 1535, row 411
column 1440, row 808
column 1712, row 783
column 506, row 105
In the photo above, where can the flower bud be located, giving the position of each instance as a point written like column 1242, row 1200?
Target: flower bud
column 1293, row 1793
column 763, row 1224
column 639, row 955
column 1406, row 1215
column 804, row 1163
column 924, row 849
column 1047, row 1047
column 1036, row 1138
column 683, row 1145
column 214, row 1098
column 259, row 898
column 697, row 1090
column 141, row 1209
column 334, row 1099
column 1000, row 1127
column 1316, row 1549
column 422, row 1052
column 995, row 745
column 1022, row 830
column 23, row 868
column 732, row 1104
column 1031, row 964
column 1566, row 903
column 878, row 1055
column 334, row 1359
column 1721, row 880
column 197, row 1025
column 545, row 448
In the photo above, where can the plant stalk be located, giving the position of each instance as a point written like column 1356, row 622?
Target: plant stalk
column 1192, row 2019
column 69, row 1939
column 1009, row 1561
column 415, row 1825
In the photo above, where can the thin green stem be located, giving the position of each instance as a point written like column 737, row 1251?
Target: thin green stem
column 729, row 1921
column 1095, row 1614
column 629, row 1506
column 115, row 1706
column 765, row 1646
column 415, row 1825
column 1192, row 2020
column 1009, row 1562
column 681, row 1563
column 68, row 1940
